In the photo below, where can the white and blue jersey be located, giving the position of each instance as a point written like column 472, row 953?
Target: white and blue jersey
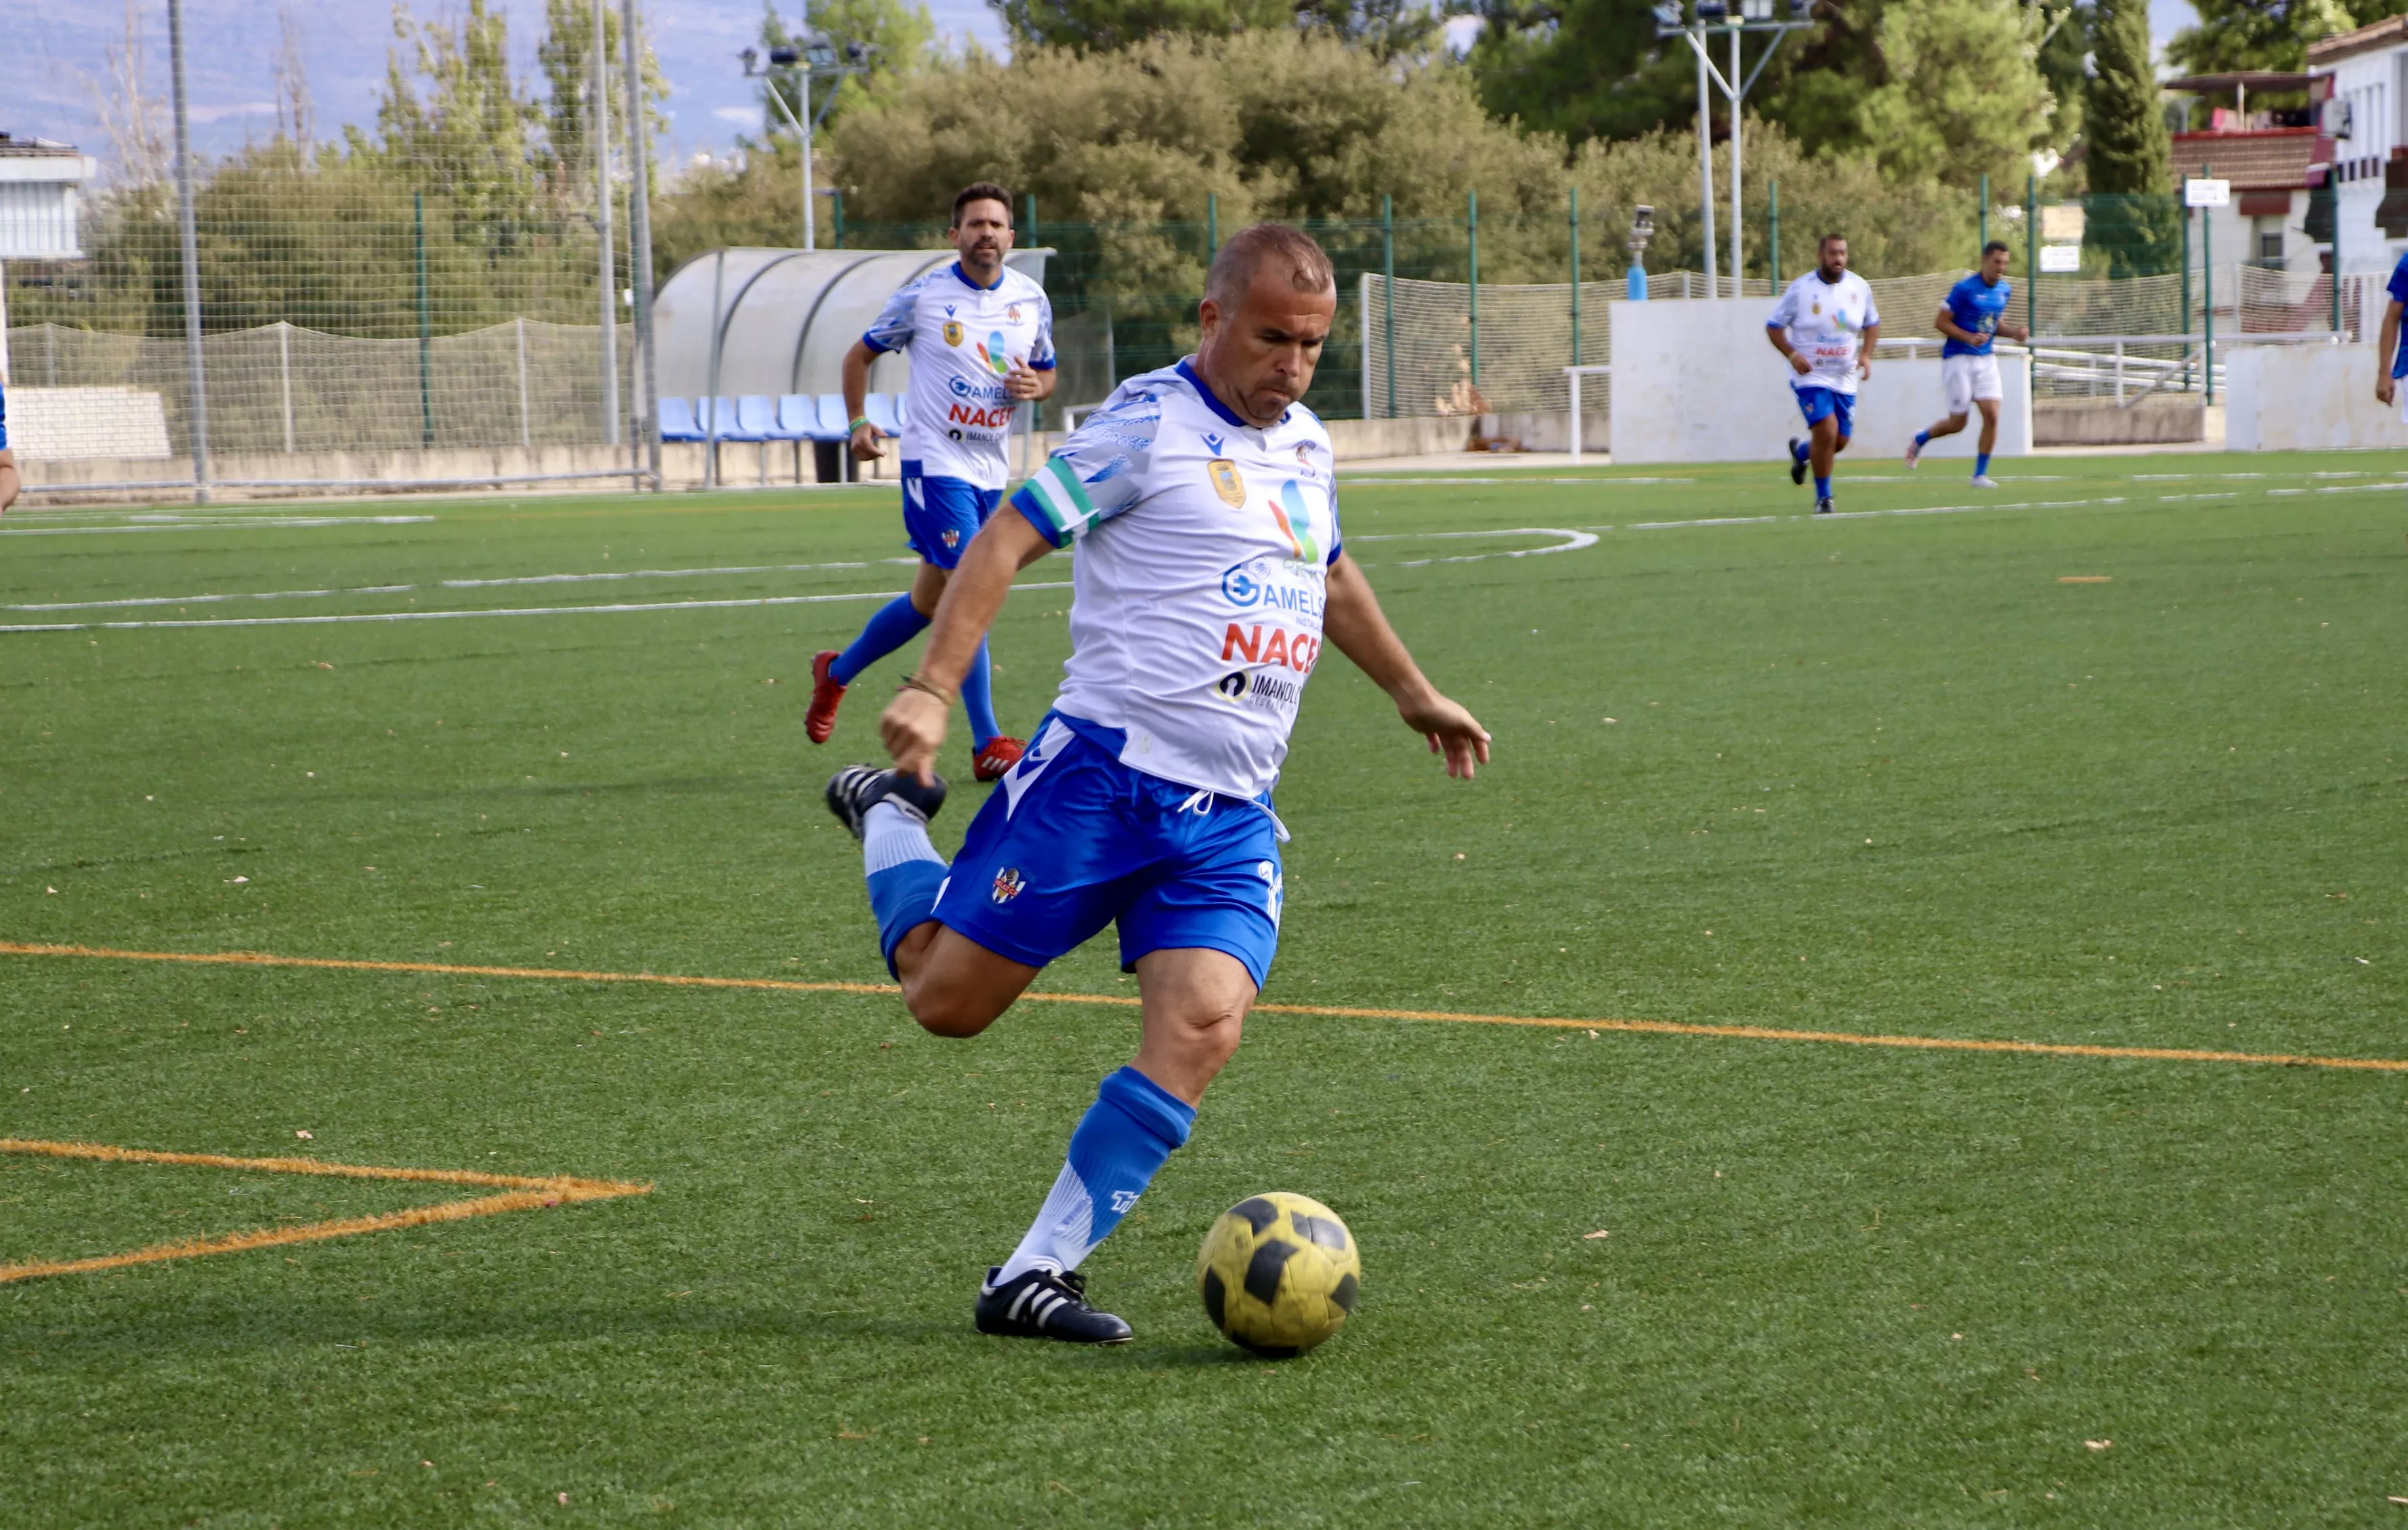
column 1203, row 549
column 1825, row 322
column 962, row 340
column 1975, row 306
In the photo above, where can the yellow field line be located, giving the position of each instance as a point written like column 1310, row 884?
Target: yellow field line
column 1649, row 1027
column 529, row 1194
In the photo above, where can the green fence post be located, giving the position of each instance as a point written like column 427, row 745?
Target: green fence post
column 1772, row 233
column 1471, row 226
column 1028, row 218
column 1388, row 290
column 836, row 206
column 2334, row 187
column 2207, row 288
column 1575, row 222
column 2186, row 294
column 2031, row 256
column 1982, row 216
column 425, row 326
column 1211, row 226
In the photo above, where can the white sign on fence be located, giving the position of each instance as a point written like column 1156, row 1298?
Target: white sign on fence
column 2060, row 258
column 2207, row 194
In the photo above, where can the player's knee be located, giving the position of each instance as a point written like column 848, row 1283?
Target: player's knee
column 951, row 1010
column 1210, row 1032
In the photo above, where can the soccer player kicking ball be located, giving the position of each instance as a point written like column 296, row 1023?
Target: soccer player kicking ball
column 1827, row 326
column 1971, row 320
column 981, row 339
column 1201, row 500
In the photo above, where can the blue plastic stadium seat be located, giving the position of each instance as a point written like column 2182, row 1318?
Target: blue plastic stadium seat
column 798, row 417
column 834, row 424
column 731, row 424
column 756, row 418
column 885, row 412
column 678, row 423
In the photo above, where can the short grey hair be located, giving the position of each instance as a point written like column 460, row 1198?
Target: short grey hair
column 1234, row 266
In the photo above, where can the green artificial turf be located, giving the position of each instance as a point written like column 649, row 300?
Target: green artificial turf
column 1879, row 774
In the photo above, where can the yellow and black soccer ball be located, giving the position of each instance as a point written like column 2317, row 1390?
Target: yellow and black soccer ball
column 1279, row 1273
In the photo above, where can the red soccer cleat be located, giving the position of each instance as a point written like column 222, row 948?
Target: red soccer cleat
column 820, row 721
column 992, row 763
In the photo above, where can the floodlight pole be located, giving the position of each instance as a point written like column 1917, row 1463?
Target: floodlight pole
column 1716, row 15
column 199, row 410
column 818, row 60
column 640, row 235
column 602, row 226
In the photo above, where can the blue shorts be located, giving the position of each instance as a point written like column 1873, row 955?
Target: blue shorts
column 1817, row 403
column 942, row 515
column 1071, row 840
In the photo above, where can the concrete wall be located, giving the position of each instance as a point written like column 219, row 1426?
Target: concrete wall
column 1697, row 382
column 2087, row 423
column 2305, row 397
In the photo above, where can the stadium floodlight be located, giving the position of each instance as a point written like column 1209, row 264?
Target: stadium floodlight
column 814, row 58
column 1642, row 228
column 1732, row 17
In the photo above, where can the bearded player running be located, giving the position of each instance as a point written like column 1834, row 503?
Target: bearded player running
column 1826, row 325
column 1201, row 499
column 980, row 340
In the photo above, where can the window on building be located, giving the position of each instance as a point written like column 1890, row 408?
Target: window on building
column 2269, row 244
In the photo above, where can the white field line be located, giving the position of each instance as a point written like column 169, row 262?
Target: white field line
column 439, row 585
column 1518, row 477
column 447, row 616
column 285, row 522
column 1572, row 542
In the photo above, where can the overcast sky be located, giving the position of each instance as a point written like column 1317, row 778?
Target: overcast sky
column 52, row 61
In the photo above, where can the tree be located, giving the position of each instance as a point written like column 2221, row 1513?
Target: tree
column 1122, row 24
column 2235, row 35
column 474, row 139
column 2130, row 154
column 1963, row 98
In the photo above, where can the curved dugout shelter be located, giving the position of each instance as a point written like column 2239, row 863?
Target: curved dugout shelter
column 779, row 321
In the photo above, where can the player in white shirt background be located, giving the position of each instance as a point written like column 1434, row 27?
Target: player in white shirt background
column 1825, row 326
column 1210, row 569
column 979, row 336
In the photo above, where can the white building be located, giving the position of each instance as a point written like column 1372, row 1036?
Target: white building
column 2359, row 81
column 2275, row 159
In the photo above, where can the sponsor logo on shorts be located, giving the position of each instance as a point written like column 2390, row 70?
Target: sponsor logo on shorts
column 951, row 537
column 1225, row 482
column 953, row 332
column 1007, row 884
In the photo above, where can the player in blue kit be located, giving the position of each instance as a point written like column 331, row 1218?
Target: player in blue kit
column 2392, row 348
column 1972, row 315
column 1202, row 502
column 10, row 481
column 979, row 336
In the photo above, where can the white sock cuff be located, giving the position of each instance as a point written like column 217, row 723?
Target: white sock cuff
column 891, row 838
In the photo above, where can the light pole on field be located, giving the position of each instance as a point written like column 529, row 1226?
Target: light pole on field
column 814, row 58
column 1711, row 16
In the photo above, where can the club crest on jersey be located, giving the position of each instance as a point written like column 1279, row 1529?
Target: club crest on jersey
column 1007, row 884
column 1225, row 482
column 1012, row 314
column 953, row 332
column 1304, row 454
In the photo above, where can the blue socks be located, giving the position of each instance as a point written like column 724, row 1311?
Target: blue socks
column 1922, row 437
column 977, row 698
column 1799, row 450
column 1120, row 1142
column 896, row 624
column 903, row 871
column 1981, row 464
column 1822, row 486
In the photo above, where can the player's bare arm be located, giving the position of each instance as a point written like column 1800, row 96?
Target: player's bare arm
column 10, row 483
column 1353, row 623
column 856, row 400
column 2386, row 347
column 914, row 725
column 1864, row 350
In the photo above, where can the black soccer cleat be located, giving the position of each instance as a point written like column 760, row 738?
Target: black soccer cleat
column 1043, row 1304
column 1823, row 506
column 1797, row 463
column 854, row 790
